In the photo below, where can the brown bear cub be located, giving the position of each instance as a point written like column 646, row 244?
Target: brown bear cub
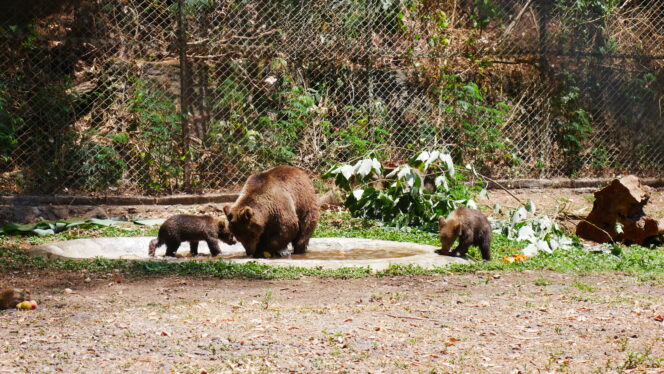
column 185, row 227
column 11, row 297
column 471, row 227
column 275, row 207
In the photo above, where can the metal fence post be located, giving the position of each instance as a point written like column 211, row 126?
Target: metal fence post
column 184, row 95
column 369, row 61
column 544, row 9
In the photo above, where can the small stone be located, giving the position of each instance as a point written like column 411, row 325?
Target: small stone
column 88, row 280
column 68, row 290
column 496, row 276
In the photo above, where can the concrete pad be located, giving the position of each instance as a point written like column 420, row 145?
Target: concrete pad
column 331, row 253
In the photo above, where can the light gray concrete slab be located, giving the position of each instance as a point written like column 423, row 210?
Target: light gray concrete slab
column 331, row 253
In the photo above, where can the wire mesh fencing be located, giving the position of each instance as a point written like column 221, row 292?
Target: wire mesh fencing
column 146, row 96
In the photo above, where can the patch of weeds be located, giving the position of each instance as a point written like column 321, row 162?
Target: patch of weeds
column 650, row 278
column 401, row 365
column 640, row 360
column 542, row 282
column 266, row 298
column 583, row 286
column 325, row 365
column 403, row 269
column 375, row 297
column 622, row 342
column 554, row 358
column 336, row 337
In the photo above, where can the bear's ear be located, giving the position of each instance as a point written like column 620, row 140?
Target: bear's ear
column 247, row 213
column 227, row 209
column 441, row 221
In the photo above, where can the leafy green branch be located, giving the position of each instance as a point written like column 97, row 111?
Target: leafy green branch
column 51, row 228
column 411, row 195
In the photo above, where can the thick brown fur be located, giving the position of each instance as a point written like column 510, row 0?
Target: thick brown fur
column 275, row 207
column 185, row 227
column 10, row 297
column 471, row 227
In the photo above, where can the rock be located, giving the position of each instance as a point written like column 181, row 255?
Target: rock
column 59, row 212
column 211, row 209
column 25, row 214
column 97, row 212
column 331, row 198
column 622, row 201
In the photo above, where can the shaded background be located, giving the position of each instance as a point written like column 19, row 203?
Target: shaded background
column 166, row 96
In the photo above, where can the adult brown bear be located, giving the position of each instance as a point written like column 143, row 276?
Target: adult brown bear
column 275, row 207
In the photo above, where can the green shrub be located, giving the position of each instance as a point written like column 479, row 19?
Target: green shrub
column 156, row 123
column 413, row 194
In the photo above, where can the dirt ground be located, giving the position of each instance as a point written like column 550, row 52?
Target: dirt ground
column 559, row 202
column 575, row 201
column 530, row 322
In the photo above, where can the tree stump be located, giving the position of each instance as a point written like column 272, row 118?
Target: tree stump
column 622, row 202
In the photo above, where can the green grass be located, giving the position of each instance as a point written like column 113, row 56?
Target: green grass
column 542, row 282
column 646, row 264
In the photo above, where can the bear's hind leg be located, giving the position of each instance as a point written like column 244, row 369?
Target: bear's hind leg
column 172, row 248
column 300, row 244
column 485, row 247
column 301, row 240
column 461, row 250
column 307, row 223
column 193, row 248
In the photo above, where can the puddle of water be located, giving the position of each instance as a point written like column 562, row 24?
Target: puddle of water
column 359, row 254
column 338, row 254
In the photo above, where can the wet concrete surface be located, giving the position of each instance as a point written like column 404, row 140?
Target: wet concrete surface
column 329, row 253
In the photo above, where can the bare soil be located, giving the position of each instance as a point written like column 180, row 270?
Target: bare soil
column 566, row 204
column 529, row 322
column 576, row 201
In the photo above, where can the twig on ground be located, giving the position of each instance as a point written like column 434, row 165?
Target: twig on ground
column 415, row 318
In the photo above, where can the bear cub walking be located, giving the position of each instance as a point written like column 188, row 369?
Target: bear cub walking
column 190, row 228
column 471, row 227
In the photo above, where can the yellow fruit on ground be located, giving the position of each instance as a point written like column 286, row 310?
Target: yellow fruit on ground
column 24, row 305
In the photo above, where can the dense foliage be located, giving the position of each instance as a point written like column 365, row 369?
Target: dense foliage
column 413, row 194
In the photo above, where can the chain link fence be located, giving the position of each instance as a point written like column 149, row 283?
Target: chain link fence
column 164, row 96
